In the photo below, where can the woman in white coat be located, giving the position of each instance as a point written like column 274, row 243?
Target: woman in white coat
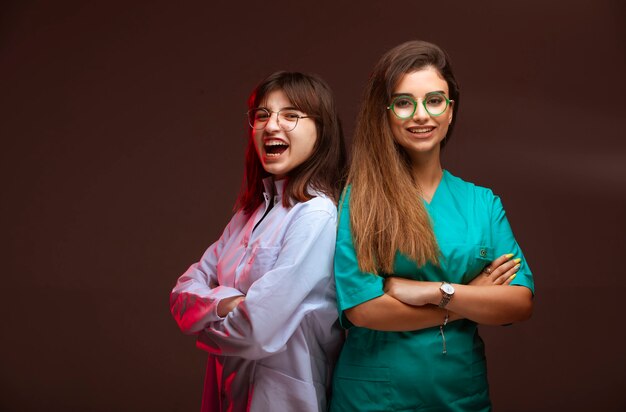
column 262, row 298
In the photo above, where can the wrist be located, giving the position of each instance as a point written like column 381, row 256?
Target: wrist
column 226, row 305
column 446, row 293
column 452, row 316
column 435, row 294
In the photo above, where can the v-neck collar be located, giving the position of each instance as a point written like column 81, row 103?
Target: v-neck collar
column 438, row 189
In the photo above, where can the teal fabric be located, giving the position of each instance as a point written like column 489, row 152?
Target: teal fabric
column 407, row 371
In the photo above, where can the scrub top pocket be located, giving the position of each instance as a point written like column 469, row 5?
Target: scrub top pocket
column 461, row 262
column 361, row 388
column 483, row 255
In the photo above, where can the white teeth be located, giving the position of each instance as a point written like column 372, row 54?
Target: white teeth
column 275, row 147
column 275, row 143
column 421, row 130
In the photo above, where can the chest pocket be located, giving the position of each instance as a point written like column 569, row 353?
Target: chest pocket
column 461, row 262
column 259, row 261
column 482, row 256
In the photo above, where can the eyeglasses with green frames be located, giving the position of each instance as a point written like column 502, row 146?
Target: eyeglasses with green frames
column 405, row 106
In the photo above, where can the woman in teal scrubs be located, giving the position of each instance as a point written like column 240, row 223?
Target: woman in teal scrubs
column 422, row 257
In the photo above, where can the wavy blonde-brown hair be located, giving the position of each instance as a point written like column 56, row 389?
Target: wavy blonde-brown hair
column 386, row 213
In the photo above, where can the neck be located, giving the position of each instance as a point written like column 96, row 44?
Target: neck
column 427, row 173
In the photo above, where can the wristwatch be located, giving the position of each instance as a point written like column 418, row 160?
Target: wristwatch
column 447, row 291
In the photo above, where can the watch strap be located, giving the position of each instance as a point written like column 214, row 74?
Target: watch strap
column 445, row 297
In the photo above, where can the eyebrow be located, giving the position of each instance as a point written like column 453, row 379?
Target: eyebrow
column 409, row 94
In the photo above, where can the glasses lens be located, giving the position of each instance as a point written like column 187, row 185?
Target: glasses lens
column 435, row 104
column 403, row 107
column 288, row 120
column 257, row 118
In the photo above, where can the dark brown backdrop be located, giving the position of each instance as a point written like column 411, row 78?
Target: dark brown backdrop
column 122, row 142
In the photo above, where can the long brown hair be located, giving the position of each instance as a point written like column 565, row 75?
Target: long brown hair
column 324, row 170
column 386, row 213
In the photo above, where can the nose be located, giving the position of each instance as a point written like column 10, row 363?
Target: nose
column 272, row 123
column 420, row 112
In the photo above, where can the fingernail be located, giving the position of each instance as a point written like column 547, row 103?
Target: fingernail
column 513, row 276
column 516, row 267
column 517, row 260
column 509, row 255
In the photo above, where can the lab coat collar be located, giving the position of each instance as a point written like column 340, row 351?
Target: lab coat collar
column 274, row 188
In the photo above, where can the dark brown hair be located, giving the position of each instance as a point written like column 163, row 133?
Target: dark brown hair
column 386, row 213
column 324, row 169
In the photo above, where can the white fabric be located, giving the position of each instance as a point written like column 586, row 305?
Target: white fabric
column 275, row 351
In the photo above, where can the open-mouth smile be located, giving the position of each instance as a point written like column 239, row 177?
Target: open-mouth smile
column 275, row 147
column 421, row 130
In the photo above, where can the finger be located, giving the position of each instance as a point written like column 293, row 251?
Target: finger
column 505, row 267
column 493, row 266
column 507, row 270
column 506, row 276
column 510, row 279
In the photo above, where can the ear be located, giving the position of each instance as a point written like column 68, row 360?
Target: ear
column 451, row 111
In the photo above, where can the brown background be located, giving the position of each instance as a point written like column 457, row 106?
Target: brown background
column 122, row 142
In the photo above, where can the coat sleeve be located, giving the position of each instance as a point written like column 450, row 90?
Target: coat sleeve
column 277, row 303
column 194, row 299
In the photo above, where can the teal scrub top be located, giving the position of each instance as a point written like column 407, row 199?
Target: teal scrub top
column 407, row 371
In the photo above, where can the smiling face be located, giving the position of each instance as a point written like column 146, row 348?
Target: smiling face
column 421, row 134
column 280, row 151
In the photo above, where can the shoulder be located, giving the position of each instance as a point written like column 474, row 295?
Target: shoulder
column 469, row 189
column 318, row 207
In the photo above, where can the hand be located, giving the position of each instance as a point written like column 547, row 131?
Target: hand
column 412, row 292
column 499, row 272
column 228, row 304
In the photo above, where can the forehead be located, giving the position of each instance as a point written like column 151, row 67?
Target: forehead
column 420, row 82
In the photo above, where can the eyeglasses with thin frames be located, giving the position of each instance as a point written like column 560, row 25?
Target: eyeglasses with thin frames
column 287, row 119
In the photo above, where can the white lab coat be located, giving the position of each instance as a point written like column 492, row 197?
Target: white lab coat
column 276, row 350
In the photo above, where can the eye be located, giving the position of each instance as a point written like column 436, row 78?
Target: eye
column 290, row 115
column 261, row 115
column 403, row 103
column 435, row 100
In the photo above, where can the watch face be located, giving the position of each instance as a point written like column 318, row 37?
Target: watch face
column 447, row 288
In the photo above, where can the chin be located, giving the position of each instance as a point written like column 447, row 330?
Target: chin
column 423, row 147
column 276, row 171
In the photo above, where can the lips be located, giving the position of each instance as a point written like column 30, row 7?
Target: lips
column 421, row 130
